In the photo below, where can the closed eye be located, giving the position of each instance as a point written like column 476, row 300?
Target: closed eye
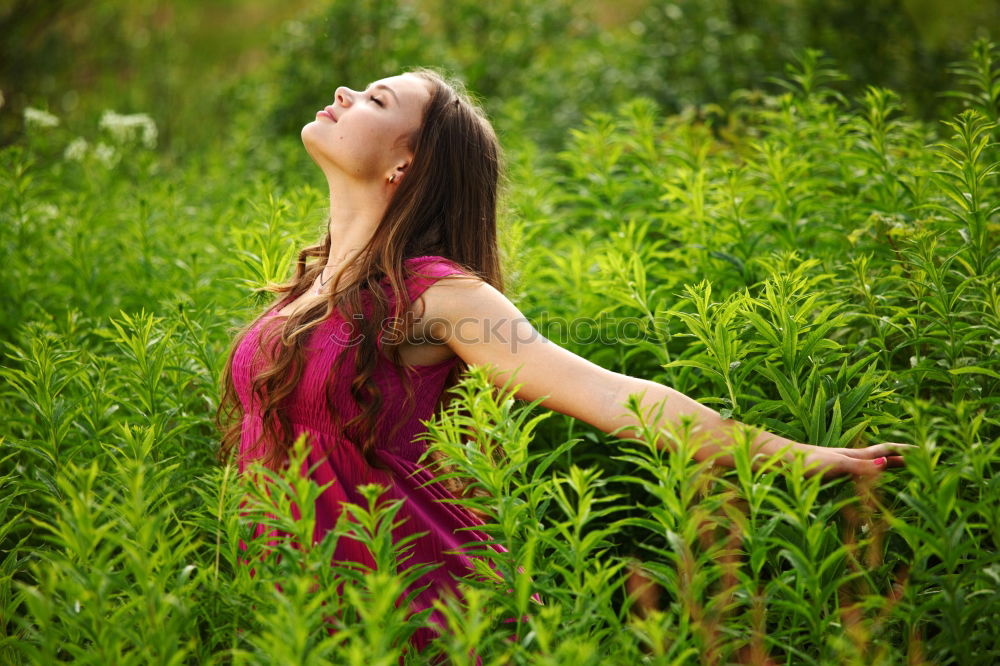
column 377, row 101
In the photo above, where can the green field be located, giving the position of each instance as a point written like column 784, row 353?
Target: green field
column 778, row 233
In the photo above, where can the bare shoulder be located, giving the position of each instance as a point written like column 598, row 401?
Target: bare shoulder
column 457, row 285
column 483, row 327
column 457, row 298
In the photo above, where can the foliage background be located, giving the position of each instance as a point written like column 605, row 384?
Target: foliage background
column 805, row 239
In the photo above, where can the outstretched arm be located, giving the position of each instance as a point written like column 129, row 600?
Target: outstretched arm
column 720, row 432
column 483, row 327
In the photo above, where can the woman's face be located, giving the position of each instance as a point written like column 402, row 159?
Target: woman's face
column 364, row 135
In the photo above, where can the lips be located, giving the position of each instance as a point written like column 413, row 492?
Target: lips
column 329, row 111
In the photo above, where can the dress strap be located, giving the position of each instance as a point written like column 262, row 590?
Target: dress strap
column 424, row 271
column 427, row 270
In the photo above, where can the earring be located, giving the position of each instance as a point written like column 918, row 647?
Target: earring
column 392, row 178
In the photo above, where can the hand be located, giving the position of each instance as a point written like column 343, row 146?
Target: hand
column 867, row 461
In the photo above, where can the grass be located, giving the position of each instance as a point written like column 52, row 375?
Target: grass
column 820, row 266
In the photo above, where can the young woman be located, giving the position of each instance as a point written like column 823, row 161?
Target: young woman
column 406, row 291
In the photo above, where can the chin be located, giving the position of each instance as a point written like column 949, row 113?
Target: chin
column 307, row 134
column 308, row 144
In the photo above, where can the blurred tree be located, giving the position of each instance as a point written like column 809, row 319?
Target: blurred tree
column 43, row 42
column 693, row 52
column 545, row 63
column 172, row 59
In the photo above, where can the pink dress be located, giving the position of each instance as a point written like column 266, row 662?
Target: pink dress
column 344, row 465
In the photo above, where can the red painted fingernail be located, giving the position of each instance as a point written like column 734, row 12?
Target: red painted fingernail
column 879, row 461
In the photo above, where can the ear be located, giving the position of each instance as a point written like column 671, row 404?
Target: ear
column 399, row 171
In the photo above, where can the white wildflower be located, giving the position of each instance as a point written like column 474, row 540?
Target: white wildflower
column 76, row 150
column 38, row 118
column 125, row 128
column 106, row 154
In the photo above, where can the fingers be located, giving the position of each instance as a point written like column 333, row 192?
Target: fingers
column 834, row 464
column 865, row 467
column 886, row 449
column 873, row 466
column 895, row 461
column 869, row 461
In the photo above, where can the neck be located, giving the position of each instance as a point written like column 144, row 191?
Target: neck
column 355, row 210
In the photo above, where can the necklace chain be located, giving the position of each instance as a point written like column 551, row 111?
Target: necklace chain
column 317, row 289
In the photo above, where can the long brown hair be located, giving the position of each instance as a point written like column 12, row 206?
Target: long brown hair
column 447, row 206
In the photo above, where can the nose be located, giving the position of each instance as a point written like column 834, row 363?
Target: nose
column 343, row 96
